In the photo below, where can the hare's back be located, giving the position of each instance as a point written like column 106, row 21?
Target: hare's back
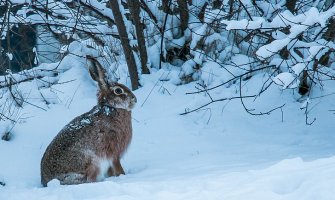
column 73, row 138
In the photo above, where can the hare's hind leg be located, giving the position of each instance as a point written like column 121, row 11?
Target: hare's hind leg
column 118, row 170
column 110, row 172
column 74, row 178
column 92, row 172
column 71, row 178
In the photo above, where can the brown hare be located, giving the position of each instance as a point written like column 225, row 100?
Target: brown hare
column 89, row 148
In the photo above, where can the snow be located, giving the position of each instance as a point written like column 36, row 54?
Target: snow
column 286, row 80
column 188, row 67
column 100, row 7
column 298, row 24
column 270, row 49
column 298, row 68
column 10, row 56
column 245, row 24
column 220, row 152
column 217, row 152
column 285, row 180
column 213, row 73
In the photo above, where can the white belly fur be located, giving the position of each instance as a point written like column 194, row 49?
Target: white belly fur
column 104, row 165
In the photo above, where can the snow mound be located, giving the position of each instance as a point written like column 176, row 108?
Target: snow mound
column 287, row 179
column 219, row 152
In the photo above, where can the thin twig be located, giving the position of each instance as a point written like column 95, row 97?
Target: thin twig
column 217, row 100
column 162, row 39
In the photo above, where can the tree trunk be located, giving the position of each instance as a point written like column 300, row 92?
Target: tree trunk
column 217, row 4
column 329, row 35
column 201, row 14
column 166, row 6
column 183, row 13
column 290, row 5
column 231, row 9
column 121, row 27
column 134, row 7
column 328, row 4
column 23, row 41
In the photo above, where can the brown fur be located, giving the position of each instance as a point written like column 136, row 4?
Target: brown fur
column 100, row 135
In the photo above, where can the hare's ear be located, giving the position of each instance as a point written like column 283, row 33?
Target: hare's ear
column 97, row 72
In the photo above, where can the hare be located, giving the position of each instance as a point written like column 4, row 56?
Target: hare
column 89, row 148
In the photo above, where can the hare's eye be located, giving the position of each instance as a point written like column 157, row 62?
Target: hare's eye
column 118, row 90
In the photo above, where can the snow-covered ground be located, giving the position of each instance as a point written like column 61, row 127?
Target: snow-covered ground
column 219, row 152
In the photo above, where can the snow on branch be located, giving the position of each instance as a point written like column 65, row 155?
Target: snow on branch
column 296, row 24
